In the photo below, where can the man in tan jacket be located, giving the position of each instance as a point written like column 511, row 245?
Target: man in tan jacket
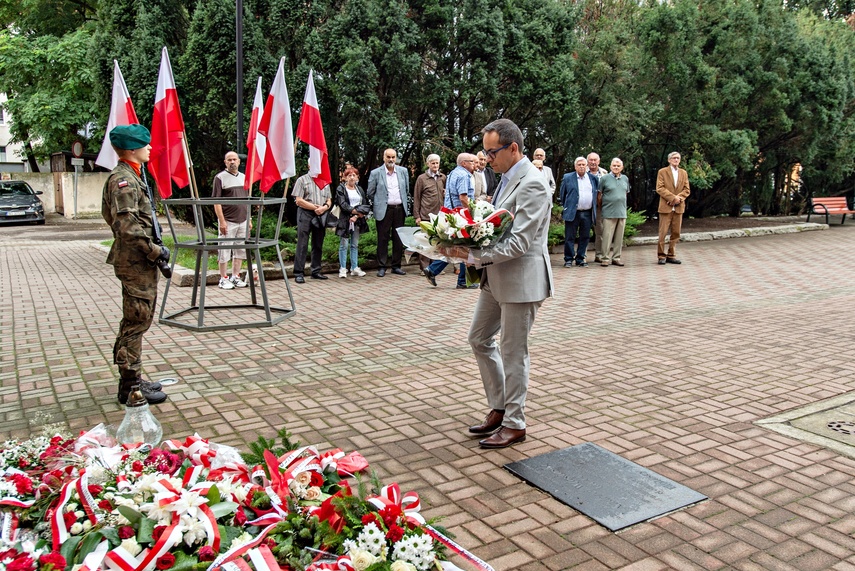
column 672, row 186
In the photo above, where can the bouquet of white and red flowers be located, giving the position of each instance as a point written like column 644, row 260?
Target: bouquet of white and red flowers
column 475, row 227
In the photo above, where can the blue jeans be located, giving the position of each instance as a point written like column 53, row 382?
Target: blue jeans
column 437, row 266
column 581, row 224
column 353, row 242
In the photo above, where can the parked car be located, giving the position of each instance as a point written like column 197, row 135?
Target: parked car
column 20, row 203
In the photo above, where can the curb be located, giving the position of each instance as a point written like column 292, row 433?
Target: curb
column 725, row 234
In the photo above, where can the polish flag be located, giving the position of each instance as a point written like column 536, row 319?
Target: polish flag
column 256, row 143
column 168, row 158
column 311, row 132
column 121, row 113
column 276, row 126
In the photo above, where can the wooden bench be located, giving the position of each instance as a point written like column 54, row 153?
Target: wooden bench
column 829, row 205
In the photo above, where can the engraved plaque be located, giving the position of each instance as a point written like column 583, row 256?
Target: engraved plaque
column 611, row 490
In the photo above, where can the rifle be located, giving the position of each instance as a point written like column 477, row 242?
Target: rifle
column 156, row 233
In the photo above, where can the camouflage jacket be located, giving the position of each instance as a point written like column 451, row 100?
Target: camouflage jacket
column 126, row 208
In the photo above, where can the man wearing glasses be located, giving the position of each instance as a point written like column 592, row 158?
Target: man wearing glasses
column 515, row 280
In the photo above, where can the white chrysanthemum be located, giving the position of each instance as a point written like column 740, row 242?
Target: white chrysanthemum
column 97, row 474
column 131, row 546
column 194, row 531
column 242, row 539
column 70, row 507
column 372, row 539
column 87, row 525
column 76, row 528
column 8, row 488
column 145, row 484
column 348, row 545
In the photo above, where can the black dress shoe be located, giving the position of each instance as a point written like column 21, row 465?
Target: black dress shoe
column 504, row 438
column 398, row 272
column 661, row 261
column 582, row 264
column 319, row 277
column 492, row 423
column 673, row 261
column 381, row 272
column 299, row 279
column 430, row 277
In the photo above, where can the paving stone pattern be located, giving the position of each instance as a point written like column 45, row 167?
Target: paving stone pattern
column 668, row 366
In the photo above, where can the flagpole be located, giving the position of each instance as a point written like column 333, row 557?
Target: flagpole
column 194, row 190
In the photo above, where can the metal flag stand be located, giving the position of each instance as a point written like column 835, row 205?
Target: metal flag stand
column 203, row 246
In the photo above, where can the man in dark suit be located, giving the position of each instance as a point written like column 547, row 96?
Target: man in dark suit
column 672, row 186
column 516, row 278
column 578, row 196
column 388, row 189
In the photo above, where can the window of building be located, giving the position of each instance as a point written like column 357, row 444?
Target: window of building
column 2, row 154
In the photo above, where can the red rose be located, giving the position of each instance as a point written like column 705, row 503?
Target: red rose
column 53, row 558
column 240, row 517
column 69, row 518
column 206, row 553
column 317, row 479
column 95, row 489
column 165, row 562
column 157, row 532
column 21, row 563
column 164, row 461
column 105, row 505
column 56, row 440
column 126, row 532
column 395, row 533
column 137, row 466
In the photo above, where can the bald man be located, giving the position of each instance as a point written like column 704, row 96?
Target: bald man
column 388, row 191
column 540, row 155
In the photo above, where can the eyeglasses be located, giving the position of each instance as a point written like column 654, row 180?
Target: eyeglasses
column 491, row 154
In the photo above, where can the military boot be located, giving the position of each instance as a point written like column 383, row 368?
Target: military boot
column 152, row 395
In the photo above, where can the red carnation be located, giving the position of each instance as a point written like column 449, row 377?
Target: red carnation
column 21, row 563
column 69, row 518
column 390, row 514
column 164, row 461
column 240, row 517
column 126, row 532
column 8, row 554
column 105, row 505
column 395, row 533
column 157, row 532
column 23, row 463
column 370, row 517
column 56, row 440
column 95, row 489
column 53, row 558
column 137, row 466
column 206, row 553
column 23, row 484
column 165, row 562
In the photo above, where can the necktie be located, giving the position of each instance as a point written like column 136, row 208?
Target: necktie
column 499, row 189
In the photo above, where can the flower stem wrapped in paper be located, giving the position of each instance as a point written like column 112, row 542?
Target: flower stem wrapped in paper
column 467, row 229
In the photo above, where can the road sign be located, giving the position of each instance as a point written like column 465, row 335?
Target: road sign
column 75, row 162
column 77, row 149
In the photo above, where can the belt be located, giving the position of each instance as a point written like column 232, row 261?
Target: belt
column 394, row 206
column 585, row 210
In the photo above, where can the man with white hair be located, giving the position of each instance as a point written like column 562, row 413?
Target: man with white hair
column 613, row 189
column 578, row 196
column 540, row 155
column 672, row 186
column 459, row 191
column 428, row 196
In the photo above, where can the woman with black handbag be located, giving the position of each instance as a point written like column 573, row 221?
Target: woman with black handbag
column 353, row 205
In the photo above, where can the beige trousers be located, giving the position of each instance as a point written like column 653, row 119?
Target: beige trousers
column 612, row 239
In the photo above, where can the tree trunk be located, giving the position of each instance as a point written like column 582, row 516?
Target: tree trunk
column 31, row 158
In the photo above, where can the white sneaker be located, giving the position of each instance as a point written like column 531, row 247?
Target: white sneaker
column 342, row 272
column 237, row 282
column 357, row 272
column 226, row 283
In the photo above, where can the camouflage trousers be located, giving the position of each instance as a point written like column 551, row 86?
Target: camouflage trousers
column 139, row 298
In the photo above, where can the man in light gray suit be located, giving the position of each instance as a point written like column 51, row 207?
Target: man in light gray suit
column 388, row 189
column 516, row 278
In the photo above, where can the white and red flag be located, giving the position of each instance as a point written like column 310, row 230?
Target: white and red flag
column 169, row 161
column 256, row 143
column 311, row 132
column 121, row 113
column 276, row 126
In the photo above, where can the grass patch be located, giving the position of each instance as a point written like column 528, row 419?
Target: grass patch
column 186, row 257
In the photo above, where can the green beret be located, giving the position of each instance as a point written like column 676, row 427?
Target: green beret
column 130, row 137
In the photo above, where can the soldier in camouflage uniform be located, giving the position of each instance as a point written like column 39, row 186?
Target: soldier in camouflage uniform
column 127, row 209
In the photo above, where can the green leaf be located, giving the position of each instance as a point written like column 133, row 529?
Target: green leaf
column 146, row 527
column 68, row 548
column 223, row 509
column 112, row 535
column 130, row 514
column 213, row 495
column 88, row 545
column 183, row 561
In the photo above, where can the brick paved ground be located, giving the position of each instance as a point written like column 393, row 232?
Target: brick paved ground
column 667, row 366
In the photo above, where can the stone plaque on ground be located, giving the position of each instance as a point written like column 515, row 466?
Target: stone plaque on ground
column 611, row 490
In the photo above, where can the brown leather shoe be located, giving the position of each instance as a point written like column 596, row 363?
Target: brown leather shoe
column 617, row 263
column 492, row 423
column 504, row 438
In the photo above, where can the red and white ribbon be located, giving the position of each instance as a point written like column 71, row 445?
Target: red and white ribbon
column 93, row 561
column 8, row 526
column 263, row 559
column 195, row 448
column 391, row 495
column 343, row 563
column 192, row 475
column 120, row 559
column 458, row 549
column 86, row 499
column 235, row 552
column 59, row 532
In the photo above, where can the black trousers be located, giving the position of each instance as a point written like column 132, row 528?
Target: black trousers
column 305, row 230
column 385, row 229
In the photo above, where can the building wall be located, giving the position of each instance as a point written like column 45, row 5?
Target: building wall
column 58, row 189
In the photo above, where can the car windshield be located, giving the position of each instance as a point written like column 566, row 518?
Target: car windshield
column 15, row 189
